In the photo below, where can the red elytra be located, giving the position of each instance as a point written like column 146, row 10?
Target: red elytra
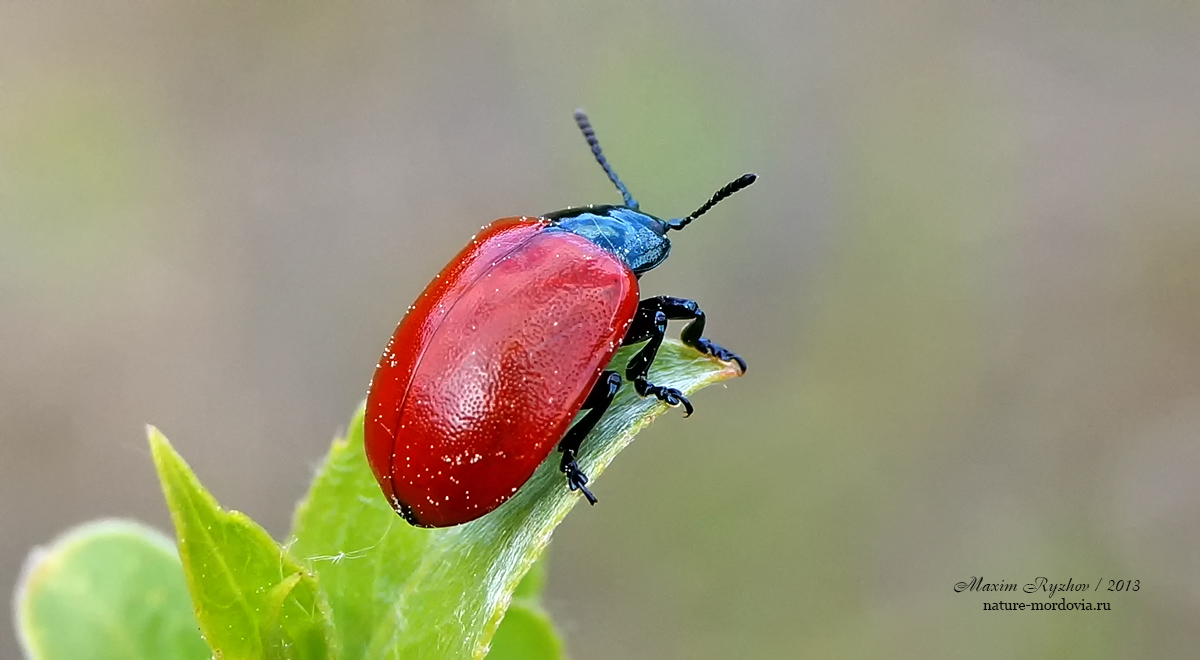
column 484, row 375
column 486, row 371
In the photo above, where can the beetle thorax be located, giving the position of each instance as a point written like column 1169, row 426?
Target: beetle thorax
column 636, row 238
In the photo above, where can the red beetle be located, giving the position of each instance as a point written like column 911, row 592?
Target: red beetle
column 509, row 342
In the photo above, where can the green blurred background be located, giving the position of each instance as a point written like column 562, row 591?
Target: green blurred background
column 967, row 284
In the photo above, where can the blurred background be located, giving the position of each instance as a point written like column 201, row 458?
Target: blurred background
column 967, row 284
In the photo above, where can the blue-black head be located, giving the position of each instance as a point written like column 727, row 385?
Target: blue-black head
column 639, row 239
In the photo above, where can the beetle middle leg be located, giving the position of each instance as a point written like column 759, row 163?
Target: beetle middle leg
column 650, row 325
column 597, row 401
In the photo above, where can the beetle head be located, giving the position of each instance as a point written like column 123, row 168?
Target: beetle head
column 638, row 238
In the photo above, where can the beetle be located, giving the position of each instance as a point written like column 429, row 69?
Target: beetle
column 509, row 343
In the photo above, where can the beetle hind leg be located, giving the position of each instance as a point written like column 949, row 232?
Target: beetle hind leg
column 576, row 479
column 597, row 402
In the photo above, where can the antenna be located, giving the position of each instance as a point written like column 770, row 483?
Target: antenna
column 730, row 188
column 590, row 135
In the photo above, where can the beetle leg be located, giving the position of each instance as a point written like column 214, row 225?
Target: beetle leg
column 682, row 309
column 650, row 325
column 596, row 403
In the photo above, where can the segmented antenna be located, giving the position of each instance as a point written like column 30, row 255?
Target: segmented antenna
column 586, row 126
column 730, row 188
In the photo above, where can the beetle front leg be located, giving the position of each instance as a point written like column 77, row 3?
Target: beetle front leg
column 682, row 309
column 597, row 401
column 650, row 325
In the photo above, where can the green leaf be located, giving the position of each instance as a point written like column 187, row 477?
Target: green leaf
column 252, row 599
column 526, row 631
column 531, row 585
column 110, row 589
column 526, row 634
column 398, row 591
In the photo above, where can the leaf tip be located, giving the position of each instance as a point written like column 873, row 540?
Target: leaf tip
column 158, row 442
column 167, row 462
